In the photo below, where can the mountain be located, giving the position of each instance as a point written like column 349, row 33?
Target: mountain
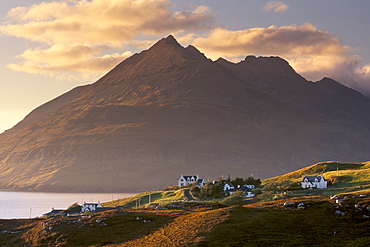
column 169, row 110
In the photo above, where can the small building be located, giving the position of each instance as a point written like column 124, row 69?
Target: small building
column 250, row 186
column 201, row 182
column 91, row 207
column 54, row 212
column 186, row 180
column 229, row 187
column 247, row 189
column 318, row 182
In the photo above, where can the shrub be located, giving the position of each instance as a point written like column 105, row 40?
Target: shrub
column 236, row 198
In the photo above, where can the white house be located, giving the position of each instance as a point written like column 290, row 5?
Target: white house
column 247, row 189
column 186, row 180
column 229, row 187
column 318, row 182
column 89, row 206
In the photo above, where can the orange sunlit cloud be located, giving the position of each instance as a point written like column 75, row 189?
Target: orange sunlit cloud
column 60, row 58
column 93, row 36
column 75, row 32
column 100, row 21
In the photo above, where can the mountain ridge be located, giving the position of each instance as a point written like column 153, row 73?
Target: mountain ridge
column 170, row 110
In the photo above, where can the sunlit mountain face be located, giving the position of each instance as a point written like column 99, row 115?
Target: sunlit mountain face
column 169, row 111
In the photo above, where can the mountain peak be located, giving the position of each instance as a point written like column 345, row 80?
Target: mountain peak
column 170, row 110
column 168, row 48
column 171, row 40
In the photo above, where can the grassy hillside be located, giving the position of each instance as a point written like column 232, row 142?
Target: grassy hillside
column 321, row 221
column 260, row 224
column 342, row 178
column 143, row 199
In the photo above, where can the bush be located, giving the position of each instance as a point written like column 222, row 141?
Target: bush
column 236, row 198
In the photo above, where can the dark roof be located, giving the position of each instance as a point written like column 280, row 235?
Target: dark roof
column 312, row 178
column 54, row 212
column 190, row 177
column 245, row 188
column 104, row 209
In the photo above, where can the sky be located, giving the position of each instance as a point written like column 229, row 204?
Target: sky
column 49, row 47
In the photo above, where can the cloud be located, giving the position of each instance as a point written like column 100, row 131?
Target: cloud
column 289, row 41
column 276, row 6
column 101, row 21
column 82, row 27
column 72, row 58
column 92, row 36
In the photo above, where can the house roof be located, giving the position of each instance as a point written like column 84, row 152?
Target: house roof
column 90, row 203
column 312, row 178
column 245, row 188
column 190, row 177
column 54, row 211
column 229, row 184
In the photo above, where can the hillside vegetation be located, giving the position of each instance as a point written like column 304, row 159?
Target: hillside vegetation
column 260, row 224
column 342, row 178
column 293, row 217
column 145, row 198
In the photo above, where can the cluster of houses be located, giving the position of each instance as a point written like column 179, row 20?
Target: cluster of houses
column 308, row 182
column 247, row 188
column 228, row 187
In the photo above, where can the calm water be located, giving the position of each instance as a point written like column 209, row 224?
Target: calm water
column 26, row 204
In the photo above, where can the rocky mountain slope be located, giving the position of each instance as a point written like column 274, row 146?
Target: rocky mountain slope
column 170, row 110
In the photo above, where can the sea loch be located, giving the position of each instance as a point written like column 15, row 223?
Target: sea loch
column 17, row 205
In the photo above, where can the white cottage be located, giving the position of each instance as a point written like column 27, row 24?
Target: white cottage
column 318, row 182
column 91, row 207
column 186, row 180
column 247, row 189
column 229, row 187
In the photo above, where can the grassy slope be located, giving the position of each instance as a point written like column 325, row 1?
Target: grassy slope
column 346, row 177
column 261, row 224
column 316, row 226
column 142, row 199
column 258, row 224
column 183, row 231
